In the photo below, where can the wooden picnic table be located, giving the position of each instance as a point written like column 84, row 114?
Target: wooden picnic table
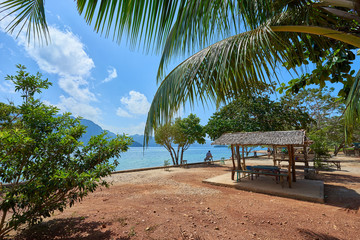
column 263, row 170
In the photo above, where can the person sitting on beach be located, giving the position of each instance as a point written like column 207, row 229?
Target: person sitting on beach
column 208, row 157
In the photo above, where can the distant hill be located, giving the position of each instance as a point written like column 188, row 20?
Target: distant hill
column 93, row 129
column 140, row 139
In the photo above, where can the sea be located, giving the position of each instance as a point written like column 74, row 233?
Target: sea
column 137, row 157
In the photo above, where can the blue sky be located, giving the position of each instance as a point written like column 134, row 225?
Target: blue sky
column 92, row 76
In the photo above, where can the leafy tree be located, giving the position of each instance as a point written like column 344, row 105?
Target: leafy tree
column 331, row 66
column 243, row 42
column 319, row 103
column 43, row 165
column 256, row 114
column 327, row 111
column 183, row 133
column 320, row 146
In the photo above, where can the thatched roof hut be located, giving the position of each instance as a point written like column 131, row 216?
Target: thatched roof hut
column 289, row 139
column 296, row 137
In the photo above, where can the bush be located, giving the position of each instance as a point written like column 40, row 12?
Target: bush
column 321, row 147
column 43, row 165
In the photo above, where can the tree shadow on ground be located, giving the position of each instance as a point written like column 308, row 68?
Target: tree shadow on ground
column 338, row 191
column 307, row 234
column 66, row 228
column 341, row 196
column 338, row 178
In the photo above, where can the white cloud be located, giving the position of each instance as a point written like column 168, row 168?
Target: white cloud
column 136, row 103
column 85, row 110
column 122, row 113
column 112, row 74
column 66, row 57
column 77, row 88
column 7, row 87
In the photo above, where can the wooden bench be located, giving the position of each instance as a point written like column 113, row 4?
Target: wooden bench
column 251, row 173
column 209, row 160
column 297, row 160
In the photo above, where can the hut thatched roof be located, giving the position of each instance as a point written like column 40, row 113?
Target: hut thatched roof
column 296, row 137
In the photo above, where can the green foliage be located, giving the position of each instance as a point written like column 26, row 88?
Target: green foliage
column 326, row 110
column 256, row 114
column 188, row 130
column 166, row 164
column 318, row 102
column 183, row 133
column 332, row 65
column 43, row 165
column 28, row 84
column 320, row 146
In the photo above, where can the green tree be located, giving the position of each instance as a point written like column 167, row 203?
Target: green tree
column 327, row 112
column 243, row 42
column 43, row 165
column 256, row 114
column 182, row 133
column 319, row 103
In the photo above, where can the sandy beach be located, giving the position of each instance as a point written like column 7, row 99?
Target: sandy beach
column 176, row 204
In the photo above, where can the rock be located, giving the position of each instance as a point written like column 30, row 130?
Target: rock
column 217, row 228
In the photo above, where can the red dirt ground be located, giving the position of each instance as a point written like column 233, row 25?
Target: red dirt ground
column 158, row 204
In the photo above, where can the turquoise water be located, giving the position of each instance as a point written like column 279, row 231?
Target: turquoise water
column 135, row 157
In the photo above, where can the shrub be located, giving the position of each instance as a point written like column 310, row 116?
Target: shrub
column 43, row 165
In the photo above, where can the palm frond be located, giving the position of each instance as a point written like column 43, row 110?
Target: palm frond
column 301, row 16
column 150, row 21
column 196, row 24
column 29, row 15
column 352, row 111
column 326, row 32
column 239, row 65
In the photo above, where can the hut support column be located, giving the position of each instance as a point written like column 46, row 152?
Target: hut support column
column 233, row 161
column 238, row 157
column 274, row 155
column 293, row 163
column 243, row 158
column 306, row 156
column 289, row 165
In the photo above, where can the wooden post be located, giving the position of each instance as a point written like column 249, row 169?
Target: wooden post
column 293, row 164
column 289, row 167
column 274, row 155
column 238, row 157
column 306, row 156
column 243, row 157
column 233, row 161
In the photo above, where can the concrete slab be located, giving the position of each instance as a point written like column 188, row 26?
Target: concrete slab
column 302, row 189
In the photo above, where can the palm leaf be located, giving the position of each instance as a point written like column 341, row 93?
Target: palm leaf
column 352, row 111
column 326, row 32
column 29, row 14
column 239, row 65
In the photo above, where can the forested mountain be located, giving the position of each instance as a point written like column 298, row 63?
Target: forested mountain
column 94, row 129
